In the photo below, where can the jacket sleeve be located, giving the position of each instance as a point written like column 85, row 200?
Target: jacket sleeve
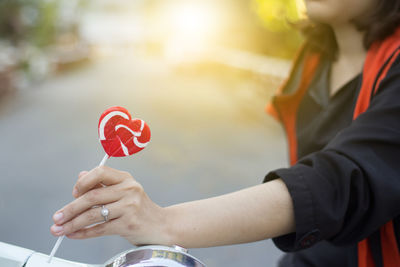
column 346, row 191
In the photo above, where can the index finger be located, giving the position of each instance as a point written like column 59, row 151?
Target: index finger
column 99, row 175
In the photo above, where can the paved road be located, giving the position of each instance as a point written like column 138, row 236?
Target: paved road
column 209, row 137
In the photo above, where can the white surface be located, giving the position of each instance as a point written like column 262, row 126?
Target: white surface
column 40, row 260
column 13, row 256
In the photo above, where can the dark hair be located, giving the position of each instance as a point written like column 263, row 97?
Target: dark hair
column 377, row 25
column 381, row 22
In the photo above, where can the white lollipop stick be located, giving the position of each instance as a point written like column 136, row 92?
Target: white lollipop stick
column 55, row 248
column 60, row 239
column 103, row 161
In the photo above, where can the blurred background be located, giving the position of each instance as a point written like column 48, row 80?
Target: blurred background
column 198, row 71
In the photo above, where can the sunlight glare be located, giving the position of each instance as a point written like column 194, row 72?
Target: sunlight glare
column 193, row 26
column 192, row 20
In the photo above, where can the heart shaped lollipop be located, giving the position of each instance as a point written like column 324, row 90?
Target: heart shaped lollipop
column 120, row 135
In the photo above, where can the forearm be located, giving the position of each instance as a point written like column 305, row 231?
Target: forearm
column 256, row 213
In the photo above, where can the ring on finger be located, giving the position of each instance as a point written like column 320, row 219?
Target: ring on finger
column 104, row 212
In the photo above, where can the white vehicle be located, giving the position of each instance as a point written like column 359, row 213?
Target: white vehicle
column 155, row 256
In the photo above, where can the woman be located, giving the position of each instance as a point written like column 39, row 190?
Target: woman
column 338, row 205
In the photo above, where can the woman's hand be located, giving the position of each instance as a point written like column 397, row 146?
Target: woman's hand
column 132, row 214
column 248, row 215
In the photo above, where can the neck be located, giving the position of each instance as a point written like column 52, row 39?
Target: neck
column 350, row 57
column 350, row 42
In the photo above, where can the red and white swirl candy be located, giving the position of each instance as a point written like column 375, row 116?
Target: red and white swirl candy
column 120, row 135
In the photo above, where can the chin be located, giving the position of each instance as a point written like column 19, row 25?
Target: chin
column 324, row 15
column 338, row 11
column 320, row 11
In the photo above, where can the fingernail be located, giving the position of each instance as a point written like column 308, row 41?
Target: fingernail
column 57, row 229
column 58, row 217
column 75, row 192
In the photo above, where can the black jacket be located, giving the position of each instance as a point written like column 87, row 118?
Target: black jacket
column 346, row 182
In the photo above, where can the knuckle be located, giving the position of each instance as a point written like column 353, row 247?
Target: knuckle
column 138, row 187
column 70, row 227
column 134, row 187
column 69, row 211
column 82, row 174
column 79, row 184
column 92, row 216
column 125, row 174
column 134, row 202
column 92, row 196
column 99, row 171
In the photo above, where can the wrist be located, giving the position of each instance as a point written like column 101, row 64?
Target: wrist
column 171, row 226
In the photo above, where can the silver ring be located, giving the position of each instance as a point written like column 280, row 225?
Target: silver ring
column 104, row 212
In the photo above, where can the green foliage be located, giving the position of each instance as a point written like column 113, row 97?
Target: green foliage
column 31, row 21
column 278, row 17
column 277, row 14
column 44, row 30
